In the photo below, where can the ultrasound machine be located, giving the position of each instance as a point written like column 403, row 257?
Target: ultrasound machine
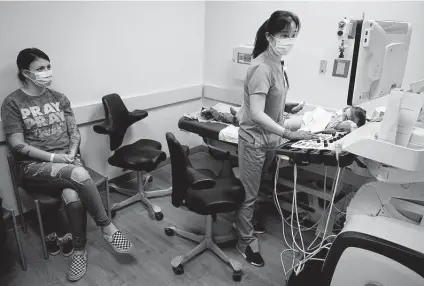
column 382, row 240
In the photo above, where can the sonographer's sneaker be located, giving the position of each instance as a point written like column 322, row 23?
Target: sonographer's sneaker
column 78, row 265
column 254, row 258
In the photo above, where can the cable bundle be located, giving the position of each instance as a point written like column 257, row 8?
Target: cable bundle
column 311, row 251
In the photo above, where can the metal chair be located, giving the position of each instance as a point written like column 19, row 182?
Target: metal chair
column 7, row 215
column 47, row 201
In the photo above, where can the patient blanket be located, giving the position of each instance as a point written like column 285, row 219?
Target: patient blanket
column 227, row 134
column 316, row 120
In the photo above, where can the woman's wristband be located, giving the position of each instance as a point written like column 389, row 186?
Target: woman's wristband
column 51, row 157
column 286, row 133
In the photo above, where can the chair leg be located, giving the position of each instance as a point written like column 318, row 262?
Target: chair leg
column 184, row 234
column 18, row 242
column 40, row 223
column 206, row 243
column 155, row 193
column 109, row 212
column 183, row 259
column 154, row 211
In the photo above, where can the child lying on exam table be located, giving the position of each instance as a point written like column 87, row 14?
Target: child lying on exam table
column 317, row 120
column 347, row 119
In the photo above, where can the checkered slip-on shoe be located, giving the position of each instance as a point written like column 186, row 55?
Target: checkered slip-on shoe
column 78, row 266
column 118, row 242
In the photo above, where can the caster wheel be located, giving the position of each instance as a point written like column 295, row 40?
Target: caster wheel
column 178, row 270
column 169, row 231
column 237, row 276
column 159, row 216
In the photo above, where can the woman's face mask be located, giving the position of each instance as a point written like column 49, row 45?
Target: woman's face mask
column 283, row 46
column 41, row 78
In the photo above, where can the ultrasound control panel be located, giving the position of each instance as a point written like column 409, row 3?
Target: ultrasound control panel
column 324, row 142
column 317, row 151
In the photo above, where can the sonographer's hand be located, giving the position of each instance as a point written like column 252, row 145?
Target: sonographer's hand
column 301, row 135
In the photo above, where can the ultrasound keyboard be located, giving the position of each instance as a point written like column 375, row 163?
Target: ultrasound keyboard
column 325, row 141
column 317, row 151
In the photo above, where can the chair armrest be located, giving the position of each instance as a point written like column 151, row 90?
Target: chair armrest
column 138, row 114
column 198, row 181
column 103, row 128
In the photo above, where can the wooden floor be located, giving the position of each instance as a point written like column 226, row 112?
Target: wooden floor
column 149, row 263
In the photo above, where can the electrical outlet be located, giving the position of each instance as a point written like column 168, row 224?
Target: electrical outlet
column 323, row 67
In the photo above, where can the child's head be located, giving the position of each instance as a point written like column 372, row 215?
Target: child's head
column 355, row 114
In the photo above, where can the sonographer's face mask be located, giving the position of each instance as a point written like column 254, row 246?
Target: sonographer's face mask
column 283, row 46
column 41, row 78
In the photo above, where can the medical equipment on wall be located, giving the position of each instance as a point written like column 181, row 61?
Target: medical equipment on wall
column 383, row 234
column 242, row 57
column 382, row 237
column 344, row 33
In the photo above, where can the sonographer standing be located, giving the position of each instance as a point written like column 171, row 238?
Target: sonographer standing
column 265, row 89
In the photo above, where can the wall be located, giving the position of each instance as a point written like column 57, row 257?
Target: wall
column 151, row 53
column 229, row 24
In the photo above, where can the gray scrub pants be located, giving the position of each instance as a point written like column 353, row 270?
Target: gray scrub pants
column 252, row 162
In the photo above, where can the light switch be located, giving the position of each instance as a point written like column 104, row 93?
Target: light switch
column 323, row 67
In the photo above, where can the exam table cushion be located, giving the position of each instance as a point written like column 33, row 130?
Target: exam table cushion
column 226, row 196
column 204, row 129
column 142, row 155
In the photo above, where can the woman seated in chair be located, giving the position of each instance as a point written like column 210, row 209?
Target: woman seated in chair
column 44, row 138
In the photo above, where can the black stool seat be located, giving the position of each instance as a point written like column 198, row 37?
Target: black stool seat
column 225, row 197
column 45, row 199
column 142, row 155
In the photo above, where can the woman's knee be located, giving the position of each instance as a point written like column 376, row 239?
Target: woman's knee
column 69, row 196
column 80, row 175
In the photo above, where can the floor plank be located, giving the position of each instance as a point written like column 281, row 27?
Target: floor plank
column 149, row 264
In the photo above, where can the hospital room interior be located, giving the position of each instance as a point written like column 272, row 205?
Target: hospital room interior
column 212, row 143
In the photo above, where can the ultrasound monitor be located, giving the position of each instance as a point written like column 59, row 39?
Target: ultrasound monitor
column 379, row 59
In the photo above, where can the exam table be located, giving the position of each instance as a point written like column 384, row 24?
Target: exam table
column 212, row 135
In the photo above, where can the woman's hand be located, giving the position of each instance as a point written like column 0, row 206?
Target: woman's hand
column 62, row 158
column 301, row 135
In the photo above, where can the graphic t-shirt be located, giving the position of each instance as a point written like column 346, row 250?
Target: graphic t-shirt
column 42, row 120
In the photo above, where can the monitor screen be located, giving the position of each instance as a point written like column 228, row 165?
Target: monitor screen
column 379, row 59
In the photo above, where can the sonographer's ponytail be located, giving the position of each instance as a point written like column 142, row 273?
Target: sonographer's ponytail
column 261, row 43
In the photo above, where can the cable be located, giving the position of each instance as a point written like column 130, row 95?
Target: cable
column 295, row 248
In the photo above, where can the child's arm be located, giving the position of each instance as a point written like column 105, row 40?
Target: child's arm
column 346, row 125
column 293, row 123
